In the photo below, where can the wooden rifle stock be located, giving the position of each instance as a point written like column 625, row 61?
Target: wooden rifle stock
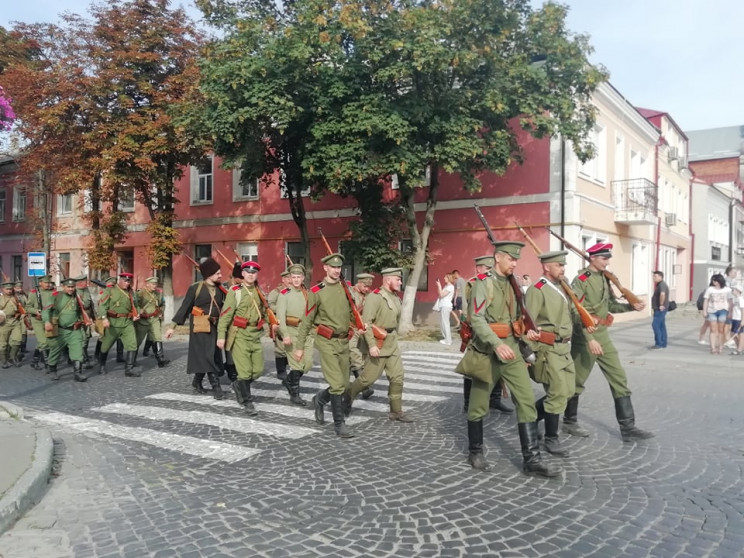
column 358, row 321
column 629, row 296
column 86, row 318
column 586, row 317
column 227, row 261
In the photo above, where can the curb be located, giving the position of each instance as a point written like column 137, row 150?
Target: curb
column 13, row 411
column 31, row 486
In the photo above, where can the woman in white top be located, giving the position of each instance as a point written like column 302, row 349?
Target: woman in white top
column 717, row 303
column 446, row 294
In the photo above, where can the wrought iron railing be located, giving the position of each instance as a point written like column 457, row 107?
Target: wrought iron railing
column 636, row 195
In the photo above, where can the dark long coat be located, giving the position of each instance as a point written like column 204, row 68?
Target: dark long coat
column 204, row 356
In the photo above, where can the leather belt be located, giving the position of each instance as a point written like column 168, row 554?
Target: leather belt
column 76, row 325
column 292, row 321
column 115, row 315
column 153, row 315
column 390, row 329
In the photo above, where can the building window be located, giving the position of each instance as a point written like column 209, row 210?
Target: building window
column 715, row 253
column 350, row 268
column 296, row 253
column 201, row 252
column 19, row 204
column 248, row 251
column 406, row 246
column 2, row 205
column 63, row 262
column 126, row 200
column 243, row 191
column 596, row 168
column 283, row 187
column 202, row 182
column 64, row 204
column 17, row 268
column 641, row 272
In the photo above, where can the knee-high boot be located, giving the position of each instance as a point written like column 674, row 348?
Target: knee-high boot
column 368, row 391
column 146, row 348
column 214, row 381
column 339, row 424
column 626, row 418
column 571, row 419
column 159, row 354
column 243, row 396
column 120, row 351
column 77, row 370
column 129, row 365
column 281, row 368
column 101, row 369
column 87, row 363
column 552, row 443
column 467, row 383
column 494, row 401
column 36, row 360
column 475, row 445
column 24, row 340
column 196, row 383
column 320, row 400
column 294, row 388
column 532, row 462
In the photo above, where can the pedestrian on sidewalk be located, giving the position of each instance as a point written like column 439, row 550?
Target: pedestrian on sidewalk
column 446, row 295
column 660, row 306
column 718, row 302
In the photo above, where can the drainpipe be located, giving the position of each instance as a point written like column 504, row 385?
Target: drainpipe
column 658, row 218
column 692, row 238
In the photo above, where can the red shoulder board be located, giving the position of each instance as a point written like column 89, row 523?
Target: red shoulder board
column 235, row 287
column 377, row 290
column 482, row 276
column 317, row 287
column 55, row 293
column 349, row 283
column 284, row 291
column 584, row 276
column 33, row 291
column 540, row 284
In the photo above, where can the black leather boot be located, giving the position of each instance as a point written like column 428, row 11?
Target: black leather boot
column 467, row 383
column 129, row 365
column 532, row 462
column 571, row 421
column 159, row 355
column 146, row 348
column 196, row 383
column 36, row 360
column 231, row 372
column 339, row 424
column 120, row 351
column 320, row 400
column 77, row 370
column 87, row 363
column 494, row 401
column 45, row 359
column 15, row 355
column 97, row 351
column 552, row 443
column 243, row 396
column 475, row 445
column 102, row 363
column 281, row 368
column 626, row 419
column 24, row 340
column 368, row 391
column 294, row 388
column 53, row 372
column 214, row 381
column 540, row 408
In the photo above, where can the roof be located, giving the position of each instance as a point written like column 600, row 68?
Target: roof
column 716, row 143
column 652, row 113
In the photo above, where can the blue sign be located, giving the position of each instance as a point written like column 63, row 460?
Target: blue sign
column 36, row 264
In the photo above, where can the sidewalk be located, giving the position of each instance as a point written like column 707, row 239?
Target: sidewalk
column 25, row 464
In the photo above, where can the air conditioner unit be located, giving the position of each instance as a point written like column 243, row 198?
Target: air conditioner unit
column 671, row 219
column 673, row 153
column 682, row 163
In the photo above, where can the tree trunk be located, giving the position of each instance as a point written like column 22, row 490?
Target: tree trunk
column 420, row 242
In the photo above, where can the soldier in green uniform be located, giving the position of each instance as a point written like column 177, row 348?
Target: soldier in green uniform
column 26, row 325
column 551, row 309
column 151, row 305
column 595, row 294
column 110, row 282
column 382, row 309
column 10, row 320
column 119, row 314
column 63, row 322
column 280, row 353
column 483, row 264
column 239, row 331
column 84, row 293
column 493, row 353
column 40, row 298
column 357, row 346
column 329, row 313
column 231, row 375
column 290, row 309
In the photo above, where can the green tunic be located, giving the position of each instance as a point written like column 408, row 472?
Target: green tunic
column 244, row 344
column 64, row 311
column 84, row 294
column 116, row 307
column 291, row 304
column 272, row 298
column 595, row 294
column 493, row 300
column 549, row 307
column 34, row 311
column 151, row 306
column 382, row 308
column 327, row 305
column 10, row 332
column 358, row 348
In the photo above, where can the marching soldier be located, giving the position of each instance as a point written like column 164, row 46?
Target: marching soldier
column 329, row 313
column 232, row 373
column 201, row 306
column 64, row 323
column 289, row 311
column 549, row 306
column 239, row 331
column 494, row 353
column 119, row 314
column 151, row 304
column 280, row 353
column 84, row 293
column 36, row 302
column 110, row 282
column 23, row 299
column 357, row 345
column 483, row 264
column 596, row 295
column 382, row 310
column 10, row 320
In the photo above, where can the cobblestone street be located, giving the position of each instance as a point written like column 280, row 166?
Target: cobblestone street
column 146, row 469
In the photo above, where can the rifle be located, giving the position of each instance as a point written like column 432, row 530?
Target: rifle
column 629, row 296
column 38, row 294
column 86, row 318
column 196, row 265
column 358, row 321
column 586, row 317
column 99, row 283
column 228, row 262
column 135, row 313
column 289, row 260
column 273, row 321
column 529, row 323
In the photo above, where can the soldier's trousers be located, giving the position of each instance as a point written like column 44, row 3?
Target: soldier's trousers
column 358, row 351
column 247, row 353
column 127, row 335
column 40, row 334
column 609, row 363
column 334, row 362
column 150, row 328
column 307, row 358
column 392, row 365
column 72, row 339
column 554, row 369
column 10, row 336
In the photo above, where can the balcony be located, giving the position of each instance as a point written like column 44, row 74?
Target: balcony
column 636, row 201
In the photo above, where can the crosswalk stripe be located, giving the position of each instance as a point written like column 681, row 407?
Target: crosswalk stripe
column 407, row 394
column 228, row 422
column 286, row 410
column 358, row 404
column 209, row 449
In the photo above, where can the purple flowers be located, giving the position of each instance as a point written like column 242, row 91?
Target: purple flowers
column 6, row 111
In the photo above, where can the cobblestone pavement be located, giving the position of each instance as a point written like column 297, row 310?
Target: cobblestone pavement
column 145, row 469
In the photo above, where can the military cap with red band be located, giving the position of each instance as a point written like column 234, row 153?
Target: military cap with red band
column 126, row 275
column 250, row 266
column 600, row 249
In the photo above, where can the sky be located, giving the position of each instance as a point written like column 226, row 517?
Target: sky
column 682, row 57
